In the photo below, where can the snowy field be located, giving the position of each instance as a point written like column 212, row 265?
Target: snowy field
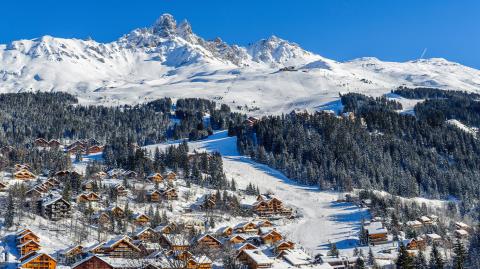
column 323, row 218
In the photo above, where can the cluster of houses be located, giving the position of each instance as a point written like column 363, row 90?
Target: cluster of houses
column 29, row 247
column 269, row 205
column 84, row 146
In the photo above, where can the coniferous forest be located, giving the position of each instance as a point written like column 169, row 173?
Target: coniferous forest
column 373, row 146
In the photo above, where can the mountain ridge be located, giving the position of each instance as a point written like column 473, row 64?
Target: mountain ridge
column 169, row 59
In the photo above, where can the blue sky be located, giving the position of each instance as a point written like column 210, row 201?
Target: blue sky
column 341, row 30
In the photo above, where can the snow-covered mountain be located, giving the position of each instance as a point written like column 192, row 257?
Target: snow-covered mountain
column 169, row 59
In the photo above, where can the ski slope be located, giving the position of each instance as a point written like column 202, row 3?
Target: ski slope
column 323, row 219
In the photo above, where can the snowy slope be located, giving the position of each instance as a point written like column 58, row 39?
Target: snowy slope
column 169, row 59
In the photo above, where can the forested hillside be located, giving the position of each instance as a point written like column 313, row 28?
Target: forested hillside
column 376, row 147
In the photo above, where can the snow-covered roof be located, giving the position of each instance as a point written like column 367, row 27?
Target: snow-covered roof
column 38, row 254
column 462, row 225
column 461, row 232
column 296, row 257
column 413, row 223
column 434, row 236
column 176, row 239
column 258, row 256
column 52, row 199
column 376, row 228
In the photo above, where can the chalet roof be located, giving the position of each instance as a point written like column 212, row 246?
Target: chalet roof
column 201, row 259
column 208, row 235
column 270, row 232
column 462, row 225
column 258, row 256
column 23, row 231
column 413, row 223
column 242, row 245
column 266, row 230
column 38, row 254
column 28, row 242
column 424, row 219
column 94, row 246
column 25, row 234
column 69, row 249
column 434, row 236
column 112, row 242
column 296, row 257
column 112, row 207
column 142, row 230
column 138, row 215
column 150, row 192
column 53, row 199
column 243, row 224
column 376, row 228
column 461, row 232
column 176, row 239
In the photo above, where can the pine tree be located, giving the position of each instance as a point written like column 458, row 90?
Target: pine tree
column 474, row 249
column 355, row 252
column 10, row 212
column 404, row 261
column 233, row 185
column 371, row 257
column 420, row 262
column 360, row 263
column 436, row 260
column 460, row 255
column 333, row 251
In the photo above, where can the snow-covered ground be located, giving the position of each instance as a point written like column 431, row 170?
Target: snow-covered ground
column 323, row 219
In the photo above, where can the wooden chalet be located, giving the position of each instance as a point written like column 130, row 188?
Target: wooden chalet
column 433, row 238
column 425, row 220
column 268, row 205
column 33, row 194
column 25, row 237
column 37, row 260
column 240, row 247
column 171, row 176
column 169, row 194
column 237, row 239
column 55, row 207
column 94, row 149
column 116, row 211
column 3, row 186
column 102, row 218
column 414, row 224
column 174, row 242
column 254, row 259
column 67, row 173
column 283, row 245
column 461, row 234
column 88, row 186
column 246, row 227
column 225, row 231
column 271, row 237
column 165, row 229
column 23, row 232
column 24, row 174
column 54, row 143
column 71, row 254
column 202, row 262
column 120, row 190
column 92, row 262
column 463, row 226
column 19, row 167
column 119, row 247
column 413, row 244
column 377, row 234
column 155, row 178
column 208, row 241
column 146, row 235
column 264, row 224
column 154, row 196
column 28, row 247
column 140, row 219
column 99, row 175
column 88, row 197
column 40, row 142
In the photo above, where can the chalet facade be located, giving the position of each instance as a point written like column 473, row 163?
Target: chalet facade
column 155, row 178
column 55, row 208
column 92, row 262
column 268, row 205
column 254, row 259
column 154, row 196
column 140, row 219
column 146, row 235
column 120, row 247
column 30, row 236
column 88, row 197
column 246, row 227
column 24, row 174
column 271, row 237
column 71, row 255
column 174, row 242
column 377, row 234
column 27, row 247
column 38, row 261
column 169, row 194
column 208, row 241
